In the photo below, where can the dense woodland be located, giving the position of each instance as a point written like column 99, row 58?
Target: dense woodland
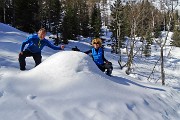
column 69, row 17
column 85, row 17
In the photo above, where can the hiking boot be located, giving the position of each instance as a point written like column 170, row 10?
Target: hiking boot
column 22, row 69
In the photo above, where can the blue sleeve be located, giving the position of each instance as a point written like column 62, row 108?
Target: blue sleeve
column 52, row 46
column 25, row 42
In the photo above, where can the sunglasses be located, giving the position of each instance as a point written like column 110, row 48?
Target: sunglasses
column 95, row 42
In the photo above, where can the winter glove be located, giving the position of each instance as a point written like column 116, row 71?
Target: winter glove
column 62, row 47
column 107, row 62
column 75, row 48
column 21, row 53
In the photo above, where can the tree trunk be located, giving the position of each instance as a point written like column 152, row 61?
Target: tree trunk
column 162, row 67
column 4, row 11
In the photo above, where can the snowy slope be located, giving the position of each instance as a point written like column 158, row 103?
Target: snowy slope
column 60, row 88
column 67, row 85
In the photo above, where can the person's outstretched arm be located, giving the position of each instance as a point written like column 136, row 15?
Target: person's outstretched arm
column 88, row 52
column 54, row 47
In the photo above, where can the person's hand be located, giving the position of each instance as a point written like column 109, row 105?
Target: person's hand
column 107, row 62
column 62, row 47
column 21, row 53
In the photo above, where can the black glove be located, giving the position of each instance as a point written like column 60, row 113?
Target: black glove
column 75, row 49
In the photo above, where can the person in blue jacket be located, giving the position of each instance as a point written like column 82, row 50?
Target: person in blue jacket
column 98, row 56
column 35, row 43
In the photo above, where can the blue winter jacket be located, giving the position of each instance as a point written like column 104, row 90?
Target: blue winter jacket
column 98, row 56
column 36, row 45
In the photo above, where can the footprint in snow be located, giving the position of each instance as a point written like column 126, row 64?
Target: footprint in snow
column 1, row 94
column 1, row 75
column 31, row 97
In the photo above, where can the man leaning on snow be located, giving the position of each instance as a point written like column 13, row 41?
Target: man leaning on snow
column 35, row 43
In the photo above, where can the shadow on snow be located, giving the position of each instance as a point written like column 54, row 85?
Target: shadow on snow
column 127, row 82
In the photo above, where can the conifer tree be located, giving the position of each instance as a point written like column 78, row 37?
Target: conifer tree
column 176, row 32
column 176, row 38
column 96, row 21
column 56, row 15
column 127, row 19
column 26, row 13
column 6, row 11
column 1, row 11
column 84, row 18
column 118, row 23
column 67, row 24
column 75, row 20
column 104, row 11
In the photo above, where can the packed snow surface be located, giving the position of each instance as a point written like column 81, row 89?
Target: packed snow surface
column 68, row 85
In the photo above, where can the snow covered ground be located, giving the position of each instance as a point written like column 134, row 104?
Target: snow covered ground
column 67, row 85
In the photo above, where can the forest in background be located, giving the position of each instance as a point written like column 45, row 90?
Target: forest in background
column 86, row 17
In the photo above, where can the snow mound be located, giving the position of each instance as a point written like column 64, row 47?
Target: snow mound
column 67, row 61
column 69, row 86
column 7, row 28
column 62, row 68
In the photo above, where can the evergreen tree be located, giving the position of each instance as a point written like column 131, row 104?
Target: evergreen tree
column 176, row 38
column 67, row 24
column 147, row 50
column 8, row 12
column 127, row 19
column 84, row 18
column 118, row 22
column 104, row 11
column 5, row 11
column 26, row 13
column 1, row 11
column 43, row 13
column 76, row 20
column 96, row 21
column 56, row 15
column 51, row 15
column 45, row 10
column 144, row 26
column 157, row 23
column 176, row 31
column 157, row 31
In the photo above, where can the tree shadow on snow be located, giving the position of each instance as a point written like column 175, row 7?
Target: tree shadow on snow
column 127, row 82
column 176, row 88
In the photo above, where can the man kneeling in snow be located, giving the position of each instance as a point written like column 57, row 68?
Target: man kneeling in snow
column 98, row 56
column 36, row 43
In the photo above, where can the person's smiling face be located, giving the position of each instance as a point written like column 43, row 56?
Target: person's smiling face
column 41, row 34
column 96, row 45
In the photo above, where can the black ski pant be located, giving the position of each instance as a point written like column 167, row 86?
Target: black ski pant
column 106, row 66
column 36, row 56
